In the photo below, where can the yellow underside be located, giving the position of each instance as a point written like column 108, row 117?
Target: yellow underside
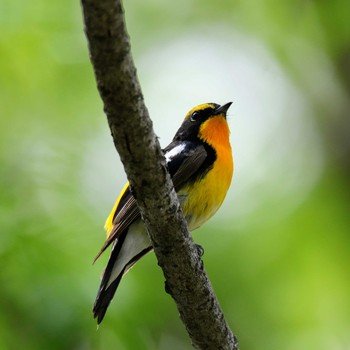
column 201, row 200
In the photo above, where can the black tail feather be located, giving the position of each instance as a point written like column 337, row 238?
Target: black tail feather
column 104, row 297
column 106, row 292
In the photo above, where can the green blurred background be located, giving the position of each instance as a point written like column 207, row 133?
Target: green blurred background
column 277, row 252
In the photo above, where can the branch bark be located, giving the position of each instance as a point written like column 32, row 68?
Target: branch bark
column 140, row 152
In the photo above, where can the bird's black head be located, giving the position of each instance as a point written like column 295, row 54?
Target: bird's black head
column 196, row 117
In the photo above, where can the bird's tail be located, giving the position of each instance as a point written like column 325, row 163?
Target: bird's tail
column 103, row 299
column 126, row 251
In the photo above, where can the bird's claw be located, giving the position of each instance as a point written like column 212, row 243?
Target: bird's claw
column 200, row 250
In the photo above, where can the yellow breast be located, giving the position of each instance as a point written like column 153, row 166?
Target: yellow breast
column 202, row 199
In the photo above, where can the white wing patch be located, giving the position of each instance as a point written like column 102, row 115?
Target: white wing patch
column 175, row 151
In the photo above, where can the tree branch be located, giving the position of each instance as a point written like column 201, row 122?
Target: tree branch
column 140, row 152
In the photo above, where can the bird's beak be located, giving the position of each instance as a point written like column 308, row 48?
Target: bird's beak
column 223, row 109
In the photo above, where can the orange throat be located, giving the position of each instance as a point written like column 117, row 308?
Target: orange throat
column 215, row 132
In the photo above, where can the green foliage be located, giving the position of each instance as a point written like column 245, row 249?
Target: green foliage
column 280, row 270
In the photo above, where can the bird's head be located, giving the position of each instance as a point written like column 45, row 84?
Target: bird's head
column 206, row 122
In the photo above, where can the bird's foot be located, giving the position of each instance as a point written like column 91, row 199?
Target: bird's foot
column 200, row 250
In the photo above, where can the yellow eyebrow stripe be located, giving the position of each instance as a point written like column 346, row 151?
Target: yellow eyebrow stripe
column 199, row 108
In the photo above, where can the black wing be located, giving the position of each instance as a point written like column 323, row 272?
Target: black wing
column 125, row 214
column 183, row 165
column 191, row 161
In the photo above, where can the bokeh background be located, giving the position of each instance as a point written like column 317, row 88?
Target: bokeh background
column 277, row 252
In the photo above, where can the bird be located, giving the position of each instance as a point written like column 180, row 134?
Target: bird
column 199, row 160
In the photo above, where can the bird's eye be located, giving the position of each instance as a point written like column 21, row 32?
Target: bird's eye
column 195, row 115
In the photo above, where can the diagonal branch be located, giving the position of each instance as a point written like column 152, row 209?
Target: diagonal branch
column 139, row 150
